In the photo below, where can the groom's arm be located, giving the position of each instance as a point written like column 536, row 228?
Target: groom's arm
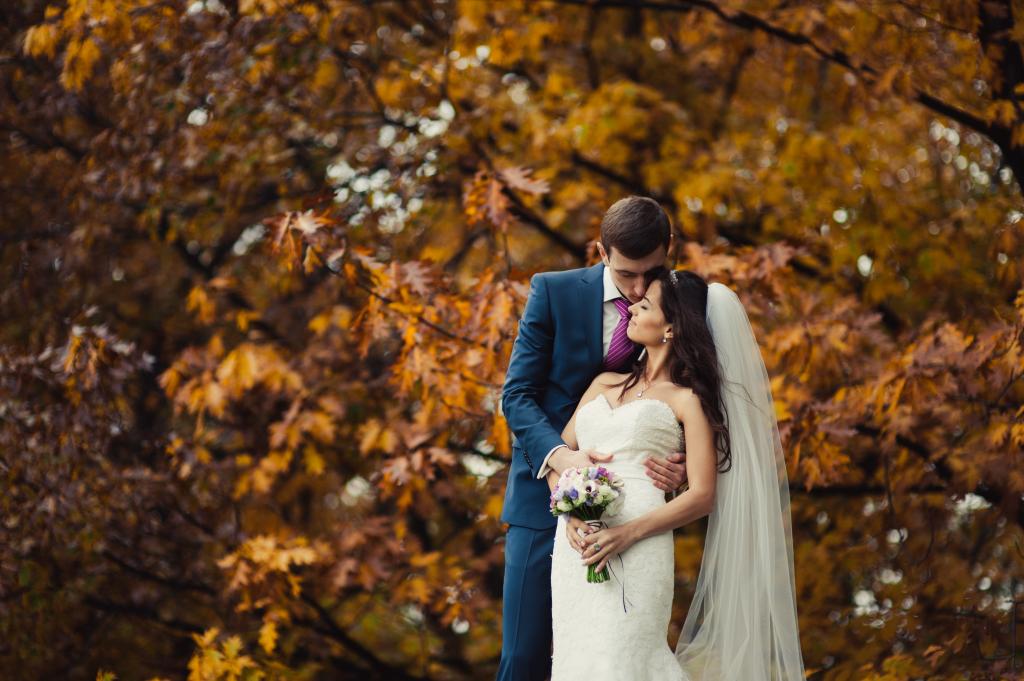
column 527, row 376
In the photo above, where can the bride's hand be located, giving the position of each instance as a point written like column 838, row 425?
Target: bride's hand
column 611, row 540
column 573, row 528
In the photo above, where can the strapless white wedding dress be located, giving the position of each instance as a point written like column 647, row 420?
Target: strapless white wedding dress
column 593, row 638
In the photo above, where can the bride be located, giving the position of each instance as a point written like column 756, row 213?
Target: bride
column 701, row 368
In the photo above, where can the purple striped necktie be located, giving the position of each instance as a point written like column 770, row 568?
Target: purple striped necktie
column 620, row 348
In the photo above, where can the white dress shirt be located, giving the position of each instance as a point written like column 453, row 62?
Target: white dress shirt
column 609, row 320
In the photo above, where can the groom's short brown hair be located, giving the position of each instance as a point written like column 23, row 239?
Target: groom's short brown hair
column 636, row 225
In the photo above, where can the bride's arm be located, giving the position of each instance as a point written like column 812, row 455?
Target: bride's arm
column 701, row 470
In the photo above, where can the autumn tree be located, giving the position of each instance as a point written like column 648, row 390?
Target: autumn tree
column 263, row 262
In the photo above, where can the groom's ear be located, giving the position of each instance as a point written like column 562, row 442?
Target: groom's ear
column 604, row 256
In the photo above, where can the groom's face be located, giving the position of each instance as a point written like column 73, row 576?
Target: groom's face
column 627, row 273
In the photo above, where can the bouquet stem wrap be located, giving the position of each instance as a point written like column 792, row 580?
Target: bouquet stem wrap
column 593, row 576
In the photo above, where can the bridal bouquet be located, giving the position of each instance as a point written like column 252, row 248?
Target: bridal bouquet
column 588, row 493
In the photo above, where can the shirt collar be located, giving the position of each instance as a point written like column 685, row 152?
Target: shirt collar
column 611, row 292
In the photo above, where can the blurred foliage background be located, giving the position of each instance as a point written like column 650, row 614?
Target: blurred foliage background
column 262, row 263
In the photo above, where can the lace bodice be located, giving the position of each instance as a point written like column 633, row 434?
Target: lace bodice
column 631, row 432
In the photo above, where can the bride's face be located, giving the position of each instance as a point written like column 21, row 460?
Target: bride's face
column 647, row 325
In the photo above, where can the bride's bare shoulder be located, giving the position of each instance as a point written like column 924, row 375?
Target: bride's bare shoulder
column 600, row 384
column 609, row 378
column 683, row 401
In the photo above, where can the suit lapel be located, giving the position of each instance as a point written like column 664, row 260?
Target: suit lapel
column 591, row 291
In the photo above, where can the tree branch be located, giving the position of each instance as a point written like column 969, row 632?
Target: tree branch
column 751, row 22
column 143, row 612
column 996, row 496
column 331, row 629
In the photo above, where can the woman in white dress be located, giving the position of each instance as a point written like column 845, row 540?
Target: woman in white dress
column 701, row 368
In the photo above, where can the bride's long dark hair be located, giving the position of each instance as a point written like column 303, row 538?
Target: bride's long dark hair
column 692, row 361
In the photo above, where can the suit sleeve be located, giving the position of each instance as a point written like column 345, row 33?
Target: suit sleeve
column 527, row 376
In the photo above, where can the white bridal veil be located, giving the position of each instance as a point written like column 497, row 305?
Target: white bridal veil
column 742, row 623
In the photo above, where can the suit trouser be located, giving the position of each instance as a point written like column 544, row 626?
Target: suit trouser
column 526, row 607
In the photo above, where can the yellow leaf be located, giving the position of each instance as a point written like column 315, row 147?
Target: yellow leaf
column 1001, row 111
column 214, row 399
column 326, row 75
column 311, row 261
column 198, row 302
column 238, row 371
column 73, row 346
column 41, row 39
column 500, row 435
column 782, row 412
column 268, row 636
column 1017, row 434
column 371, row 430
column 243, row 318
column 314, row 462
column 207, row 637
column 170, row 380
column 79, row 60
column 233, row 646
column 997, row 434
column 321, row 426
column 494, row 505
column 418, row 589
column 424, row 559
column 319, row 323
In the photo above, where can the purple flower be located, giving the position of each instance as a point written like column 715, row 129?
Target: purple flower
column 573, row 493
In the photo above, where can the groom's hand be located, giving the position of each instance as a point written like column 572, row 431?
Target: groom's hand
column 668, row 474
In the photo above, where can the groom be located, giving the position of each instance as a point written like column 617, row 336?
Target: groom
column 573, row 328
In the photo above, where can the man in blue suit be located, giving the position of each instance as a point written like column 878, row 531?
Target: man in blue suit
column 573, row 328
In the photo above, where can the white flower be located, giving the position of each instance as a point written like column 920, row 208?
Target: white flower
column 564, row 506
column 615, row 506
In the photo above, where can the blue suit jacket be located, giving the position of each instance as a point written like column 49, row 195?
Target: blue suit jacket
column 556, row 355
